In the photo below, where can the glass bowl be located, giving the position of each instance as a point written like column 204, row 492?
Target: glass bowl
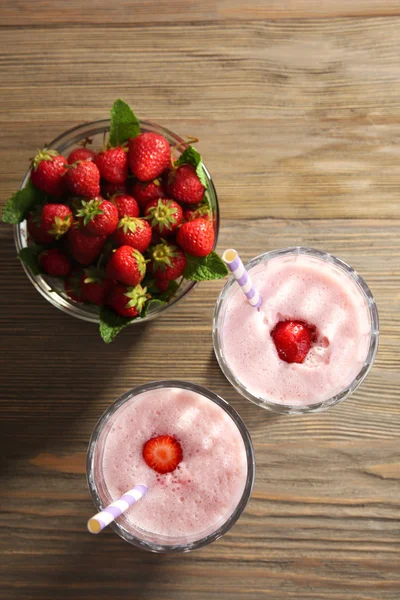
column 101, row 496
column 267, row 403
column 51, row 287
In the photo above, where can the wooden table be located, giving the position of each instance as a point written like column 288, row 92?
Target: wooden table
column 297, row 106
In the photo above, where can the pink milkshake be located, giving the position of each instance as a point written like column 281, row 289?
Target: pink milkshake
column 208, row 489
column 322, row 294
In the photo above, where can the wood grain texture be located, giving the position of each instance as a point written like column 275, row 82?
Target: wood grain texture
column 298, row 112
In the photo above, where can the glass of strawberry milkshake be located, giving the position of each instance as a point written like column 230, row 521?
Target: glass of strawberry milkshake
column 192, row 451
column 312, row 340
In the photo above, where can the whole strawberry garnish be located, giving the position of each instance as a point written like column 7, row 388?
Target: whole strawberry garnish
column 56, row 219
column 292, row 340
column 127, row 301
column 95, row 286
column 110, row 189
column 84, row 249
column 185, row 186
column 126, row 265
column 81, row 154
column 113, row 164
column 83, row 179
column 48, row 170
column 35, row 230
column 133, row 232
column 149, row 155
column 126, row 205
column 55, row 262
column 167, row 261
column 164, row 215
column 196, row 212
column 146, row 191
column 98, row 217
column 72, row 285
column 162, row 453
column 196, row 237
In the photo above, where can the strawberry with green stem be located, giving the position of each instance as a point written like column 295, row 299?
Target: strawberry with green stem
column 98, row 217
column 149, row 155
column 196, row 237
column 83, row 179
column 48, row 170
column 127, row 301
column 55, row 262
column 167, row 262
column 165, row 216
column 126, row 205
column 83, row 248
column 113, row 164
column 127, row 266
column 134, row 232
column 56, row 219
column 144, row 192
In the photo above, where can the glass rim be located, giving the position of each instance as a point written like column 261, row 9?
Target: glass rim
column 281, row 408
column 79, row 310
column 250, row 460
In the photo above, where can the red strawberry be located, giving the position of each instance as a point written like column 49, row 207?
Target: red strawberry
column 95, row 287
column 126, row 265
column 196, row 212
column 72, row 285
column 98, row 217
column 83, row 179
column 149, row 155
column 113, row 165
column 84, row 249
column 167, row 261
column 126, row 205
column 163, row 453
column 127, row 301
column 56, row 219
column 133, row 232
column 196, row 237
column 110, row 189
column 81, row 154
column 48, row 172
column 292, row 340
column 34, row 225
column 54, row 262
column 185, row 186
column 146, row 191
column 164, row 215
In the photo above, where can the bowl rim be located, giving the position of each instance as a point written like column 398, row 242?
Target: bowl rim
column 77, row 310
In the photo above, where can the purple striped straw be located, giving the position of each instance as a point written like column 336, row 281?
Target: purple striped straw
column 114, row 510
column 232, row 260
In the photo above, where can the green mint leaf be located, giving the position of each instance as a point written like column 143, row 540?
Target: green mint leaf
column 124, row 124
column 152, row 303
column 205, row 269
column 17, row 207
column 191, row 156
column 111, row 324
column 30, row 257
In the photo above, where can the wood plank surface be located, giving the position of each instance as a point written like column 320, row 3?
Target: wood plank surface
column 298, row 114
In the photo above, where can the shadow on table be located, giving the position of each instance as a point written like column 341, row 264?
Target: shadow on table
column 52, row 365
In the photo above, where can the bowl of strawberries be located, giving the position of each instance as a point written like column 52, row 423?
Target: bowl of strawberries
column 116, row 221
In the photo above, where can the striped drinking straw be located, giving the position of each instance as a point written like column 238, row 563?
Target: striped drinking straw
column 114, row 510
column 235, row 265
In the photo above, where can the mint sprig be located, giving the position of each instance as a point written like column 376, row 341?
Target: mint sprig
column 30, row 257
column 18, row 206
column 124, row 124
column 111, row 324
column 205, row 269
column 192, row 157
column 151, row 303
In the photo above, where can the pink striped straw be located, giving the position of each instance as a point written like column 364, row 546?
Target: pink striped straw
column 115, row 509
column 232, row 260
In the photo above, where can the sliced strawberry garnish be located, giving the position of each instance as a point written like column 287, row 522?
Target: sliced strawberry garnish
column 292, row 340
column 162, row 453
